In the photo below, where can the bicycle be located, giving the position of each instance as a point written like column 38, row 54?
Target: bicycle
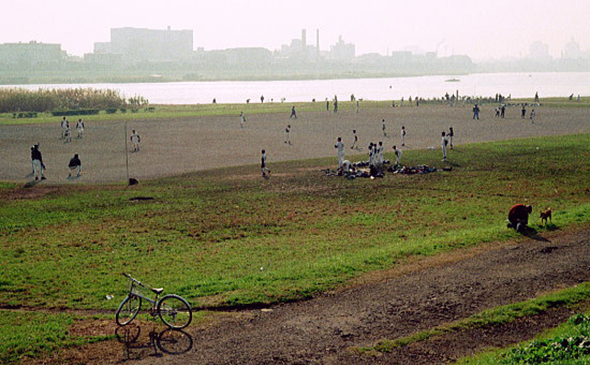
column 172, row 309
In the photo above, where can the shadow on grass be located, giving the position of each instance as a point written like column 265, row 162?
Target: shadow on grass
column 532, row 233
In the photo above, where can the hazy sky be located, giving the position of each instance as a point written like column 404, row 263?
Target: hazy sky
column 480, row 29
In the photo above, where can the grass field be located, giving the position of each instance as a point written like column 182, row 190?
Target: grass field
column 207, row 110
column 219, row 239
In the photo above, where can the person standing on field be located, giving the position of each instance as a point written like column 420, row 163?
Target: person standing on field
column 380, row 153
column 383, row 128
column 355, row 140
column 398, row 155
column 38, row 165
column 451, row 135
column 335, row 104
column 265, row 170
column 80, row 128
column 65, row 125
column 242, row 119
column 135, row 139
column 340, row 147
column 403, row 134
column 288, row 134
column 293, row 113
column 444, row 142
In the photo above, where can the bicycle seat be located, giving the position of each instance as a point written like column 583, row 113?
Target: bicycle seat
column 158, row 291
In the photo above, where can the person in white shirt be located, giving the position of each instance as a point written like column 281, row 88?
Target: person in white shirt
column 355, row 140
column 340, row 147
column 135, row 139
column 64, row 126
column 380, row 152
column 80, row 128
column 444, row 142
column 398, row 155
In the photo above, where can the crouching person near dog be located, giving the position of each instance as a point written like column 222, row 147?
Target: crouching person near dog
column 518, row 216
column 75, row 165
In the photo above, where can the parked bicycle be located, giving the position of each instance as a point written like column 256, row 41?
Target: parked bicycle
column 172, row 309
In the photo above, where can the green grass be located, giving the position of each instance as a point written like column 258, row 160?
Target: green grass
column 207, row 236
column 493, row 317
column 567, row 330
column 31, row 334
column 165, row 112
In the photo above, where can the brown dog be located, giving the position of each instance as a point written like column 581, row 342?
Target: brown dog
column 546, row 214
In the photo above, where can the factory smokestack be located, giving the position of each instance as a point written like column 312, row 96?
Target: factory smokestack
column 303, row 40
column 317, row 41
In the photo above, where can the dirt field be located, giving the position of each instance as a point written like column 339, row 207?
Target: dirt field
column 410, row 298
column 175, row 146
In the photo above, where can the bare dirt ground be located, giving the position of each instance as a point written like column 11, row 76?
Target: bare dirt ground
column 181, row 145
column 413, row 297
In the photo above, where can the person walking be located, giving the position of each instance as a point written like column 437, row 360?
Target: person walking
column 444, row 143
column 135, row 139
column 340, row 147
column 357, row 105
column 75, row 164
column 38, row 165
column 383, row 128
column 503, row 111
column 293, row 113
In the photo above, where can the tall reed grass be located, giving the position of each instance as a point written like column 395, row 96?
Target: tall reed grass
column 45, row 100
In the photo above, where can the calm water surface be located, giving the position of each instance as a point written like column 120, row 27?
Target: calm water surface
column 515, row 84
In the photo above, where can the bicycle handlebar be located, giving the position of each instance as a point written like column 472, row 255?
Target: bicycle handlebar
column 132, row 279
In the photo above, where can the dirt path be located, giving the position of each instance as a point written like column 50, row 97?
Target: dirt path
column 394, row 304
column 180, row 145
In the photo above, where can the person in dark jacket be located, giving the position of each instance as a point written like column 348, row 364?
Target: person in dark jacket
column 38, row 165
column 75, row 164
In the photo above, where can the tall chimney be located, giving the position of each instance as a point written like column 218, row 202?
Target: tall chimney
column 303, row 40
column 317, row 41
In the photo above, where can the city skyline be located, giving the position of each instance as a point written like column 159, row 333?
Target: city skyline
column 495, row 30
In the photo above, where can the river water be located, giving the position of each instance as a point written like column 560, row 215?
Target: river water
column 551, row 84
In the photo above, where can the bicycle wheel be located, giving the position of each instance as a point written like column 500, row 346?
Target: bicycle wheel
column 174, row 311
column 128, row 310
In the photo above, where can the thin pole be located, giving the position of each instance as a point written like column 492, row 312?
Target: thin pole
column 126, row 152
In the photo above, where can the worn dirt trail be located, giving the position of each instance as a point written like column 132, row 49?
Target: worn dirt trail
column 412, row 298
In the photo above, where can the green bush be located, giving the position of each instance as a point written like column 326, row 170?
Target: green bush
column 111, row 110
column 570, row 347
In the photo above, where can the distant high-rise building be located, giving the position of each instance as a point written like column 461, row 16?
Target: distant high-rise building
column 137, row 44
